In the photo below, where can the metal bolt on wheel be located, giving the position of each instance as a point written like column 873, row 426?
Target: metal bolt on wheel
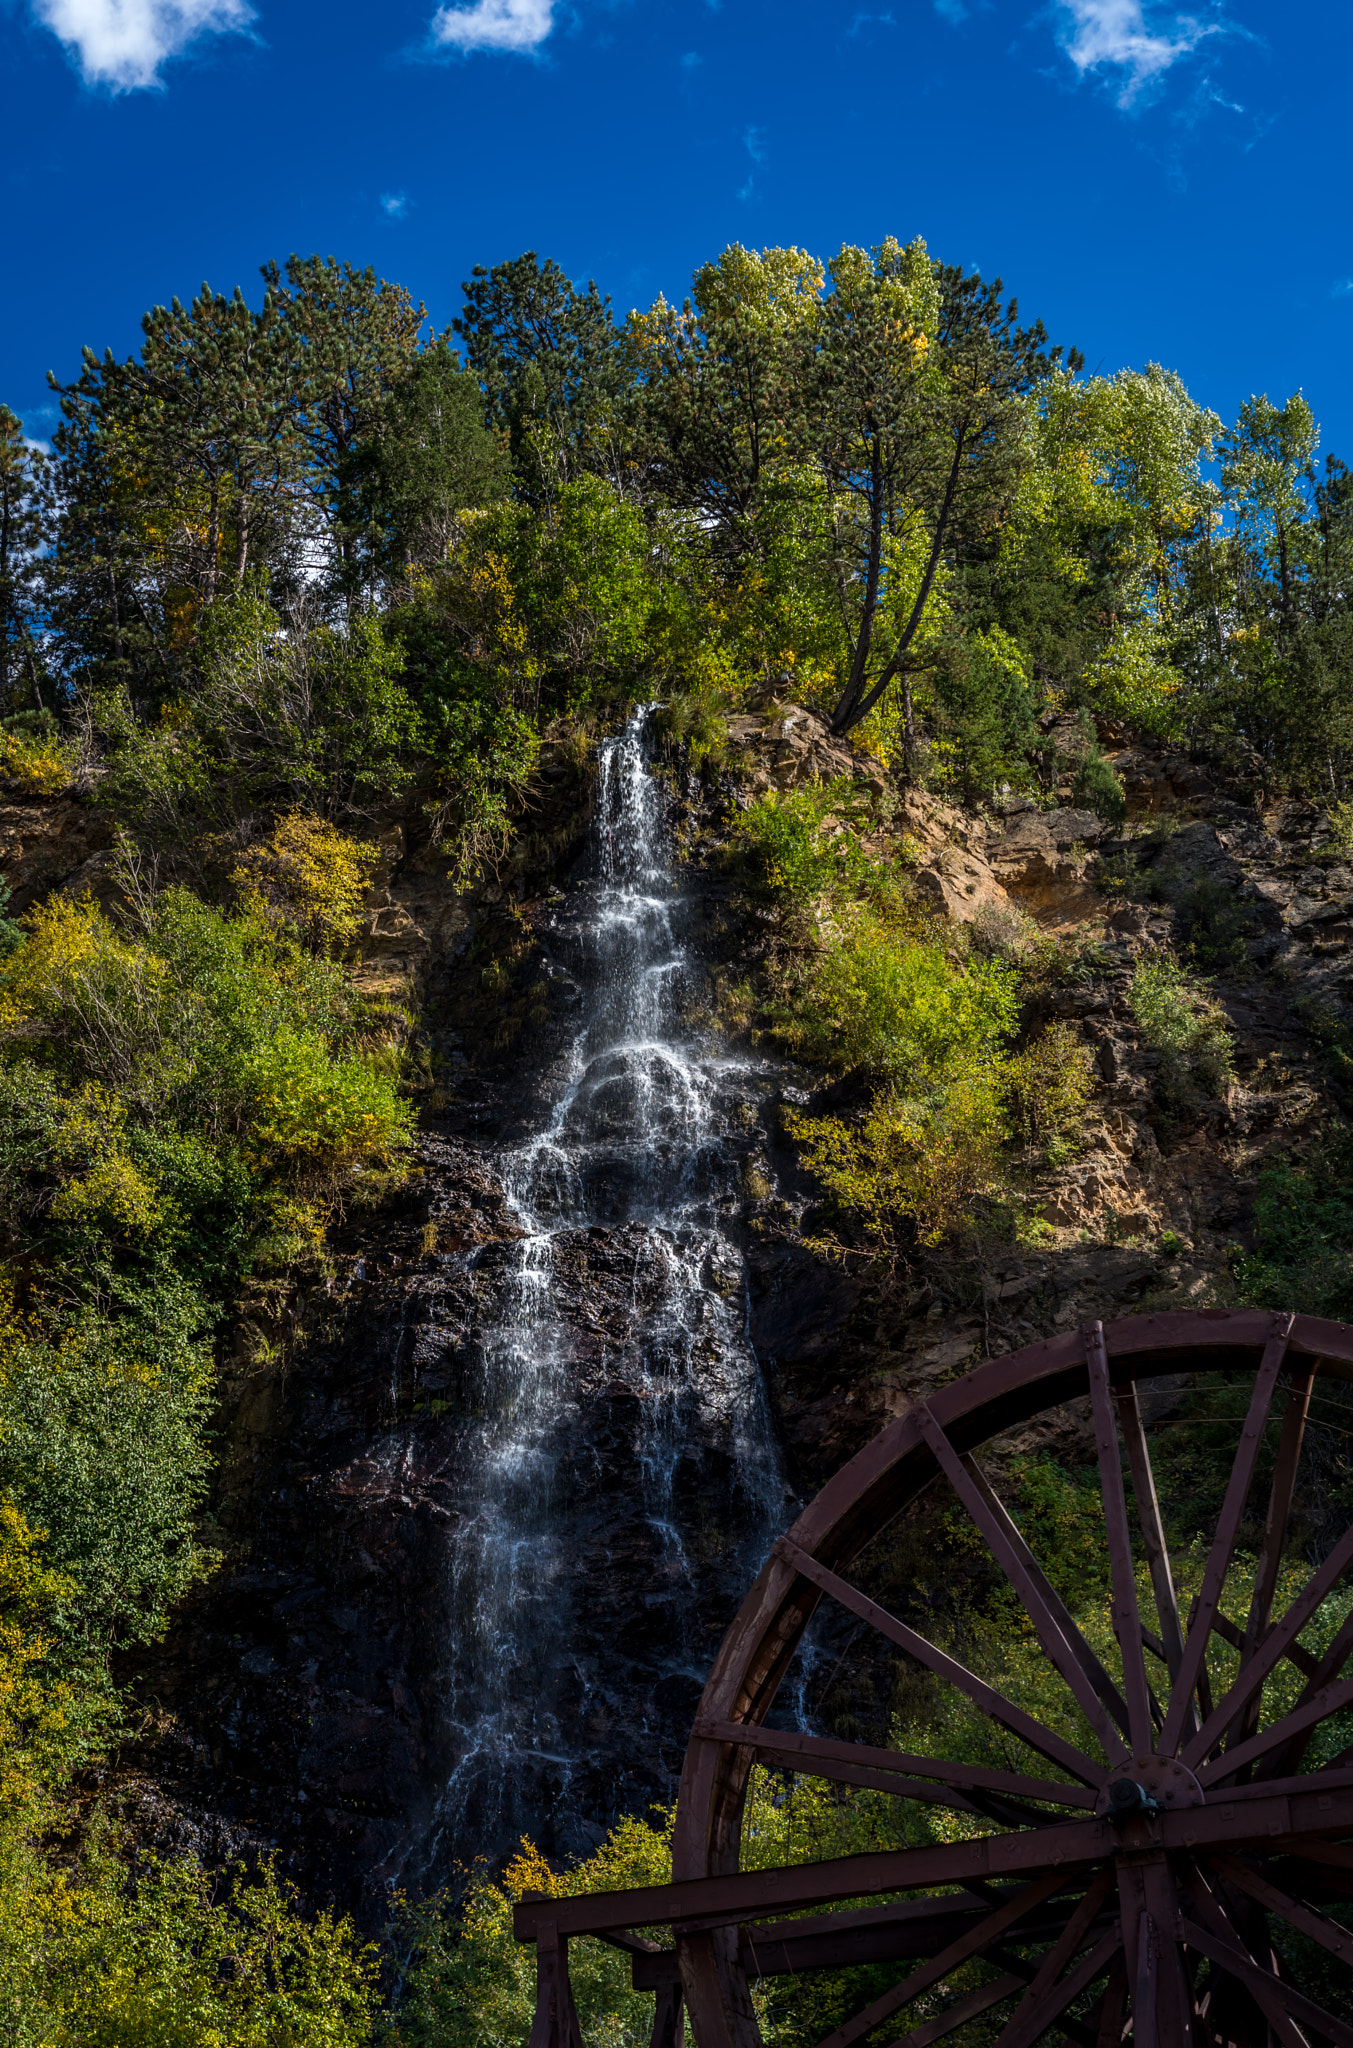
column 1133, row 1892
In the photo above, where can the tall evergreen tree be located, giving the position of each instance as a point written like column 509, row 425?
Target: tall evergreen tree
column 550, row 363
column 426, row 458
column 23, row 535
column 357, row 338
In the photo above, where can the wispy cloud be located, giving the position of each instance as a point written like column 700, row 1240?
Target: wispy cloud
column 518, row 26
column 754, row 142
column 1342, row 288
column 952, row 11
column 123, row 43
column 1115, row 35
column 395, row 204
column 691, row 61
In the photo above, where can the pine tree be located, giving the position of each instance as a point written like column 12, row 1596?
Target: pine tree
column 23, row 536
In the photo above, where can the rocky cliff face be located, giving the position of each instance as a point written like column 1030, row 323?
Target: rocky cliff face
column 305, row 1699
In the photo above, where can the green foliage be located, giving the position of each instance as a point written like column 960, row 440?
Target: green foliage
column 309, row 877
column 798, row 844
column 1303, row 1228
column 23, row 532
column 101, row 1446
column 278, row 721
column 427, row 458
column 1049, row 1084
column 11, row 938
column 985, row 717
column 219, row 1024
column 1186, row 1026
column 468, row 1984
column 882, row 1001
column 1096, row 787
column 916, row 1160
column 162, row 1955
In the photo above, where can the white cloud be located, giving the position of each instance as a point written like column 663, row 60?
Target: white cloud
column 396, row 204
column 1342, row 288
column 123, row 43
column 1116, row 33
column 518, row 25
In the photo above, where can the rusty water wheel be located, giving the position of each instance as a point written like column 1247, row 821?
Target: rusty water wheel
column 1132, row 1893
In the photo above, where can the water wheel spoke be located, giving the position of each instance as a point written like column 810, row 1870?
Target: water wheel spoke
column 1050, row 2010
column 1329, row 1700
column 1214, row 1921
column 1080, row 1649
column 1280, row 2002
column 1327, row 1858
column 1171, row 1643
column 1328, row 1933
column 882, row 1933
column 961, row 2011
column 1034, row 2014
column 817, row 1756
column 1330, row 1665
column 1144, row 1986
column 1062, row 1641
column 1112, row 2003
column 969, row 1944
column 1219, row 1557
column 991, row 1702
column 1279, row 1513
column 1127, row 1620
column 1268, row 1653
column 1223, row 1626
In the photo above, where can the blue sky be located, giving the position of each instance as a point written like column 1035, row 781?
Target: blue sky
column 1154, row 184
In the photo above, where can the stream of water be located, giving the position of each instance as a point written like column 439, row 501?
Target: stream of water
column 639, row 1155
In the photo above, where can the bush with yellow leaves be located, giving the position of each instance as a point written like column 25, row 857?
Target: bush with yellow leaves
column 38, row 763
column 1050, row 1083
column 308, row 876
column 917, row 1161
column 166, row 1955
column 469, row 1984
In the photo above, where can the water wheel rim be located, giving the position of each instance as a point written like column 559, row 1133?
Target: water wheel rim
column 1140, row 1962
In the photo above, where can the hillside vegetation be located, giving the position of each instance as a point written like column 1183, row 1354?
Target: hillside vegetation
column 290, row 574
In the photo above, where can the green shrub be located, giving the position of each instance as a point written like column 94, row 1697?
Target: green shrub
column 1049, row 1085
column 880, row 1000
column 220, row 1024
column 916, row 1159
column 1303, row 1234
column 469, row 1984
column 167, row 1956
column 1098, row 788
column 797, row 845
column 102, row 1447
column 1186, row 1026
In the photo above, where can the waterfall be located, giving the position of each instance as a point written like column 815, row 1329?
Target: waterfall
column 620, row 1464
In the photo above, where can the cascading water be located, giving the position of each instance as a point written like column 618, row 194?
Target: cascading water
column 636, row 1170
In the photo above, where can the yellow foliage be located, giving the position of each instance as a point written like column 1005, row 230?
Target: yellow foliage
column 41, row 1717
column 175, row 1961
column 308, row 875
column 924, row 1158
column 114, row 1190
column 1050, row 1084
column 76, row 971
column 40, row 766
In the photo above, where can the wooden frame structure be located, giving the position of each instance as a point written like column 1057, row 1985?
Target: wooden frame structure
column 1132, row 1891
